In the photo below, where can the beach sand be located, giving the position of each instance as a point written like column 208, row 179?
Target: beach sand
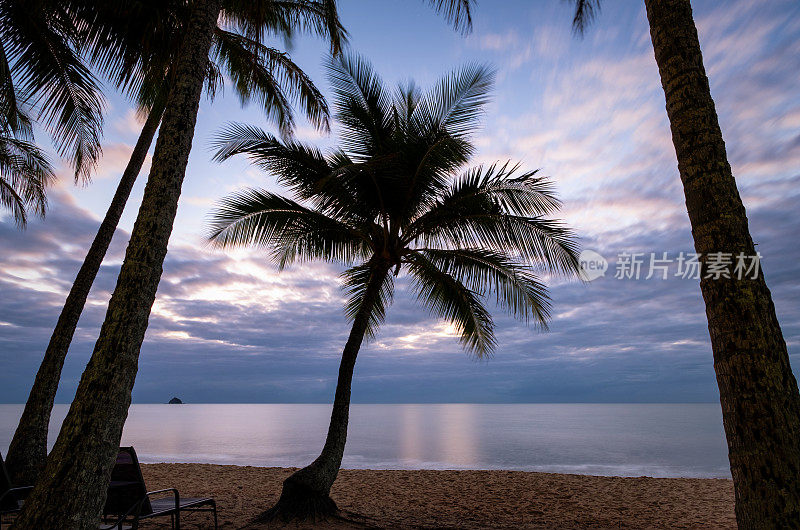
column 459, row 499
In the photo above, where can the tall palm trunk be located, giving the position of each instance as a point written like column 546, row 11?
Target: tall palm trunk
column 28, row 449
column 758, row 392
column 306, row 493
column 72, row 488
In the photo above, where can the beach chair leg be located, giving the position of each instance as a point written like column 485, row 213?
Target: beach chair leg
column 177, row 520
column 214, row 506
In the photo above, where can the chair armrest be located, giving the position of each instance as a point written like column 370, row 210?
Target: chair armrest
column 12, row 491
column 174, row 492
column 136, row 508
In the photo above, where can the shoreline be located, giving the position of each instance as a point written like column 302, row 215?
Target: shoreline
column 460, row 498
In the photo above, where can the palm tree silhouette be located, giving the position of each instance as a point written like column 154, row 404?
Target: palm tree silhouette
column 66, row 495
column 389, row 200
column 141, row 62
column 757, row 388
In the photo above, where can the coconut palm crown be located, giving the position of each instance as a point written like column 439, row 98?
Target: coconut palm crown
column 391, row 199
column 137, row 44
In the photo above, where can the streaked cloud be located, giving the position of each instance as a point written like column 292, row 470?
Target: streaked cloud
column 229, row 327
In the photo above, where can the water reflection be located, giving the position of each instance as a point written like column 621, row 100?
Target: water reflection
column 457, row 434
column 411, row 434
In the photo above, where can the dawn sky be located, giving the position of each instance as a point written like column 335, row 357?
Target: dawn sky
column 588, row 112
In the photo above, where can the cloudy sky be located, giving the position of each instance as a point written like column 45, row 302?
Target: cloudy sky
column 590, row 113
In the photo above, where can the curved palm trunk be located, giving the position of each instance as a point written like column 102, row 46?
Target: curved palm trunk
column 28, row 449
column 306, row 493
column 72, row 487
column 758, row 392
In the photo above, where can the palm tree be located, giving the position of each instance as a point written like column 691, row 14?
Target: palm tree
column 141, row 64
column 40, row 68
column 71, row 489
column 390, row 200
column 758, row 391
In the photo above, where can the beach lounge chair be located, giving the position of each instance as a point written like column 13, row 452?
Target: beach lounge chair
column 129, row 501
column 11, row 498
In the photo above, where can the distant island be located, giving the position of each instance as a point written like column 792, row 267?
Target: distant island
column 175, row 401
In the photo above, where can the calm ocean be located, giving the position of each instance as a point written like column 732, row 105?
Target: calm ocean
column 672, row 440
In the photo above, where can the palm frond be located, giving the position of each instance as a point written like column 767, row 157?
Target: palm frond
column 253, row 80
column 449, row 299
column 363, row 105
column 526, row 193
column 457, row 101
column 431, row 136
column 287, row 229
column 457, row 12
column 25, row 174
column 271, row 78
column 585, row 13
column 484, row 271
column 293, row 163
column 12, row 201
column 503, row 210
column 13, row 119
column 215, row 81
column 545, row 244
column 312, row 177
column 54, row 79
column 283, row 18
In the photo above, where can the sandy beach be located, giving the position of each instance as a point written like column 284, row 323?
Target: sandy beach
column 460, row 499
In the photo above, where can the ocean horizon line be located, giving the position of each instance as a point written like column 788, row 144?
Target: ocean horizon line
column 411, row 402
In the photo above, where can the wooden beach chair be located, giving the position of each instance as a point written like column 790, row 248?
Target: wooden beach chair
column 11, row 498
column 129, row 501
